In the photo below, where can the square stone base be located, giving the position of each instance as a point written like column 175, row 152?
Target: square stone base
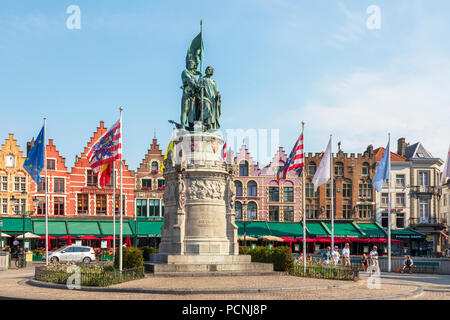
column 163, row 264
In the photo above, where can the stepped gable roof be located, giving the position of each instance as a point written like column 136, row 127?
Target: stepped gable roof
column 51, row 147
column 243, row 154
column 277, row 161
column 96, row 135
column 153, row 152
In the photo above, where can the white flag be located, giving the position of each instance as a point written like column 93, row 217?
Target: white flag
column 446, row 172
column 323, row 172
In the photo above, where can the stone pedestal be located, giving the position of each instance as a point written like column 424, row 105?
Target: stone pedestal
column 199, row 232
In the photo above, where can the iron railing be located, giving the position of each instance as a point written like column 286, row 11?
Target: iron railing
column 425, row 220
column 425, row 189
column 331, row 272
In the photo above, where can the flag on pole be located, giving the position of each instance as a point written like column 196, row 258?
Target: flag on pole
column 169, row 150
column 446, row 173
column 295, row 161
column 323, row 173
column 106, row 150
column 224, row 151
column 34, row 162
column 382, row 171
column 195, row 50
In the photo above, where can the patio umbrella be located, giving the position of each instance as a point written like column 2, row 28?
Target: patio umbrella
column 88, row 238
column 128, row 241
column 49, row 237
column 109, row 238
column 248, row 238
column 4, row 235
column 29, row 235
column 271, row 238
column 68, row 238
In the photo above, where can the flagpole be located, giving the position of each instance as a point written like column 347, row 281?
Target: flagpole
column 114, row 210
column 303, row 202
column 120, row 200
column 201, row 72
column 389, row 203
column 332, row 194
column 46, row 188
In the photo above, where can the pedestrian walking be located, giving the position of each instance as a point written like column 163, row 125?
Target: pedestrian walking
column 346, row 255
column 374, row 259
column 335, row 256
column 326, row 255
column 364, row 262
column 309, row 258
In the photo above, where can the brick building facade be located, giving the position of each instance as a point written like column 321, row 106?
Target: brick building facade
column 149, row 180
column 58, row 180
column 87, row 198
column 354, row 197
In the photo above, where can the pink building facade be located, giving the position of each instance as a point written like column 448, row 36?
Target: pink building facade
column 259, row 196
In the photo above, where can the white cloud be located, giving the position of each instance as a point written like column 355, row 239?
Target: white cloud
column 410, row 98
column 351, row 30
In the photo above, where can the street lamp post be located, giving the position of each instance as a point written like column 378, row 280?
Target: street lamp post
column 14, row 200
column 244, row 216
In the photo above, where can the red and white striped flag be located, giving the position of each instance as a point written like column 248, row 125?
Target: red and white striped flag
column 105, row 150
column 224, row 151
column 295, row 161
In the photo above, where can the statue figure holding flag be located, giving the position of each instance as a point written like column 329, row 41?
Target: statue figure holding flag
column 201, row 98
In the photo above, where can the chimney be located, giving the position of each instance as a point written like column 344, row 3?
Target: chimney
column 29, row 146
column 401, row 146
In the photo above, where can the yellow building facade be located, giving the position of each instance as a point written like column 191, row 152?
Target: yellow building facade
column 14, row 181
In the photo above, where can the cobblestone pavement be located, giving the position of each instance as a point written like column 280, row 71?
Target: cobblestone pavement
column 13, row 285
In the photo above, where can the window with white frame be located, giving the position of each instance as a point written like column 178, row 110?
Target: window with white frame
column 20, row 184
column 384, row 199
column 400, row 180
column 424, row 178
column 365, row 191
column 4, row 205
column 4, row 183
column 400, row 199
column 424, row 209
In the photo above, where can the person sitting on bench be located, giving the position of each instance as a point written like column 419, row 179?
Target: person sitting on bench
column 408, row 263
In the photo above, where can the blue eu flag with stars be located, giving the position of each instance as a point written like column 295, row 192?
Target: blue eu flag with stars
column 35, row 158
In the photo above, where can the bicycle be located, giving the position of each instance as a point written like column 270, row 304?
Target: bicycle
column 19, row 262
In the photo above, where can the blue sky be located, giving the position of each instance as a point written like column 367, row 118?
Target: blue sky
column 276, row 63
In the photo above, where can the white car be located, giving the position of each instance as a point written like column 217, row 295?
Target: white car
column 72, row 254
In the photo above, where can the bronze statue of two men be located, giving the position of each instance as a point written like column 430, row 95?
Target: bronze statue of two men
column 201, row 98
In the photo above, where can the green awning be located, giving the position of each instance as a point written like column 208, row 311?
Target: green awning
column 15, row 225
column 149, row 228
column 55, row 228
column 344, row 230
column 254, row 229
column 84, row 228
column 106, row 228
column 372, row 230
column 317, row 230
column 286, row 229
column 407, row 234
